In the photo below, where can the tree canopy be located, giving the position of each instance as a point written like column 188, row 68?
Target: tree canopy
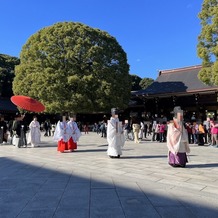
column 145, row 82
column 138, row 83
column 208, row 42
column 135, row 82
column 7, row 65
column 72, row 67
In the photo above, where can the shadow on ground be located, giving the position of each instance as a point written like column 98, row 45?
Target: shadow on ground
column 208, row 165
column 28, row 190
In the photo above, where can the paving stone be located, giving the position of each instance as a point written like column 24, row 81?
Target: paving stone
column 175, row 212
column 72, row 212
column 106, row 212
column 37, row 213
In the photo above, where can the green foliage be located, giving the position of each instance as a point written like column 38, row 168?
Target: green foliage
column 138, row 83
column 135, row 82
column 72, row 67
column 7, row 64
column 144, row 83
column 208, row 42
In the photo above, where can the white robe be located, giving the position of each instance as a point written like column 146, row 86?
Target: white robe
column 115, row 137
column 74, row 131
column 34, row 136
column 62, row 131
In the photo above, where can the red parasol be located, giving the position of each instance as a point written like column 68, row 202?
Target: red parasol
column 27, row 103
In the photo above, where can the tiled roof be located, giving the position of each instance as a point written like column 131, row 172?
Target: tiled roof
column 7, row 106
column 177, row 81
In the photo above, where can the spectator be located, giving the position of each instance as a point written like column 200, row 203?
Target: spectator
column 214, row 133
column 86, row 128
column 161, row 132
column 207, row 129
column 136, row 129
column 141, row 130
column 201, row 134
column 3, row 130
column 47, row 127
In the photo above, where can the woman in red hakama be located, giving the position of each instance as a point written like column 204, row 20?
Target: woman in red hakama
column 74, row 133
column 62, row 135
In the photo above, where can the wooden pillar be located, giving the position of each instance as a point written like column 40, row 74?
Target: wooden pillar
column 197, row 96
column 156, row 105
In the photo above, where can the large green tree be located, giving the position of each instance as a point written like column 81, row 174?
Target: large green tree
column 7, row 65
column 72, row 67
column 208, row 42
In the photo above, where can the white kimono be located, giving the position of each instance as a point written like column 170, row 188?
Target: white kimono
column 115, row 137
column 74, row 131
column 34, row 136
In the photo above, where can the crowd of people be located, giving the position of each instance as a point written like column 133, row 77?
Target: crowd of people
column 199, row 133
column 176, row 133
column 19, row 133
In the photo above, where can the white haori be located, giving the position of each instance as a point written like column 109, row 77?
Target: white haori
column 74, row 131
column 62, row 131
column 177, row 139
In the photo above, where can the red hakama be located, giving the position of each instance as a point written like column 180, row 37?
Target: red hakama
column 71, row 144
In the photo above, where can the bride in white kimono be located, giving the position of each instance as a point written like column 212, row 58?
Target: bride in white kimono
column 115, row 136
column 34, row 136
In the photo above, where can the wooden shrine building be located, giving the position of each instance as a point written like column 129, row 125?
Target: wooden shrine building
column 176, row 87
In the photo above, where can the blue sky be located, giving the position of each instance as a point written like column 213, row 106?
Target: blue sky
column 155, row 34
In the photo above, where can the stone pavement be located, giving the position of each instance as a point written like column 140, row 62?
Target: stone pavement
column 40, row 182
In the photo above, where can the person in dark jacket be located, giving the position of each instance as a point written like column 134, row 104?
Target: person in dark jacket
column 47, row 127
column 19, row 129
column 3, row 130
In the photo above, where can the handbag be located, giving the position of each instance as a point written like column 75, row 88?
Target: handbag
column 16, row 141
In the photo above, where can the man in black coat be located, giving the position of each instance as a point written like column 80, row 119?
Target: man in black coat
column 3, row 130
column 19, row 129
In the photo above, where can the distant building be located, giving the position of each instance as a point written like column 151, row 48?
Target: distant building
column 7, row 107
column 174, row 87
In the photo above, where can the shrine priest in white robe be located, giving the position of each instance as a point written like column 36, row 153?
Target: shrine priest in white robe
column 115, row 136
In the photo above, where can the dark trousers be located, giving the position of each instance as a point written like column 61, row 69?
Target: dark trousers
column 104, row 133
column 190, row 138
column 154, row 136
column 2, row 136
column 201, row 139
column 23, row 138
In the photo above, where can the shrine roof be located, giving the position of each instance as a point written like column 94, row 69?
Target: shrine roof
column 177, row 81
